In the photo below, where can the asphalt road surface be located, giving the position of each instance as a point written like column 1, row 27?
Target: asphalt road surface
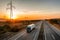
column 50, row 33
column 43, row 31
column 33, row 35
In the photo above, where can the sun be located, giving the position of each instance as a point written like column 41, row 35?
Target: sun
column 14, row 15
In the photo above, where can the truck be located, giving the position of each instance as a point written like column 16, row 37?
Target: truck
column 30, row 28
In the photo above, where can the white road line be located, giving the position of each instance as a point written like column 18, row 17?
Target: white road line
column 53, row 36
column 17, row 36
column 45, row 31
column 54, row 28
column 45, row 34
column 20, row 36
column 37, row 33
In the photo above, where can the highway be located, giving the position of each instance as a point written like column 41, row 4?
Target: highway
column 43, row 31
column 28, row 36
column 50, row 33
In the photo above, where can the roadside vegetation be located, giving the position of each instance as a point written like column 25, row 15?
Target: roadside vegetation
column 15, row 26
column 9, row 29
column 55, row 22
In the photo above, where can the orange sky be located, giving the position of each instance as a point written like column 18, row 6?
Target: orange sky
column 31, row 9
column 30, row 16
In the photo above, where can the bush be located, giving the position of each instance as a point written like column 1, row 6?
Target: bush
column 54, row 21
column 14, row 29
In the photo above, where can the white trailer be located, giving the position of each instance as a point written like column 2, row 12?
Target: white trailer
column 30, row 27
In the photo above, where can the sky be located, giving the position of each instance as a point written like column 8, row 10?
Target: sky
column 32, row 9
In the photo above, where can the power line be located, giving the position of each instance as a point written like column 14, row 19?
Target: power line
column 11, row 9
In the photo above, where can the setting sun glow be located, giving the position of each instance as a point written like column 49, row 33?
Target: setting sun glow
column 14, row 15
column 29, row 9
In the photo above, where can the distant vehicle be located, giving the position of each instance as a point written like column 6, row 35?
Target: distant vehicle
column 30, row 27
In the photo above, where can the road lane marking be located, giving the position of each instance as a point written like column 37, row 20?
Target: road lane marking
column 20, row 35
column 54, row 28
column 45, row 32
column 17, row 36
column 37, row 33
column 53, row 36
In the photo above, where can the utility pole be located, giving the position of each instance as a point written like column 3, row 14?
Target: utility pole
column 11, row 9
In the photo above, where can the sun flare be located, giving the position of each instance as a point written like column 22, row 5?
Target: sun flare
column 14, row 15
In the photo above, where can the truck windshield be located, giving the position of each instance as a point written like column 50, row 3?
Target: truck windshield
column 28, row 28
